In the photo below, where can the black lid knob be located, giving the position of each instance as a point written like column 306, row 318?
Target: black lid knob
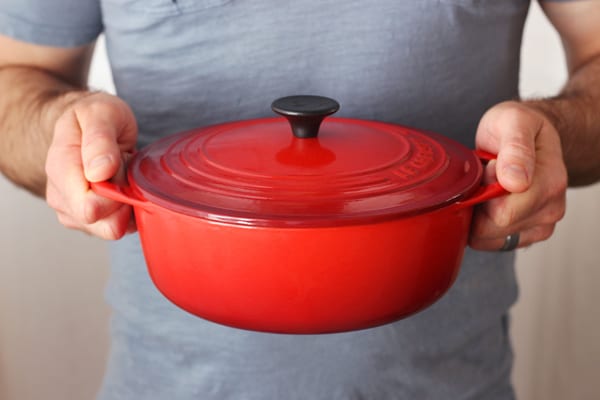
column 305, row 113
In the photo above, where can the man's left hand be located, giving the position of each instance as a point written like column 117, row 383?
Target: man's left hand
column 530, row 167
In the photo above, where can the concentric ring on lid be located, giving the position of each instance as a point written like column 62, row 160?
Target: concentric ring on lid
column 257, row 173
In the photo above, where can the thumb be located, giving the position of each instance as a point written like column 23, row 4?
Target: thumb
column 99, row 151
column 107, row 131
column 516, row 161
column 510, row 131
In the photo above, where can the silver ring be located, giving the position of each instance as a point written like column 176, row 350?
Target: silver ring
column 511, row 242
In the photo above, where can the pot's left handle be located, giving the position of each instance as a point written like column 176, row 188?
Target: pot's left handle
column 486, row 192
column 119, row 193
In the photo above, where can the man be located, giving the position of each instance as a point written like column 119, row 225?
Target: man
column 449, row 66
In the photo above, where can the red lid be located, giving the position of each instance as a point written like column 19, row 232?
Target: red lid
column 257, row 173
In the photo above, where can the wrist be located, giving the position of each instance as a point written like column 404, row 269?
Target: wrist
column 552, row 109
column 564, row 113
column 31, row 103
column 572, row 117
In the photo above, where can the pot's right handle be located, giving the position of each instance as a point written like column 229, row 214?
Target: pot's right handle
column 486, row 192
column 118, row 193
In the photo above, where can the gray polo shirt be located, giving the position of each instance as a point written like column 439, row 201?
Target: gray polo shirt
column 432, row 64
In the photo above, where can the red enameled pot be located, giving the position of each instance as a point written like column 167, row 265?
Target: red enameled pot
column 250, row 226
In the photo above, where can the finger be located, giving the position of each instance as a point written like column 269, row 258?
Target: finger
column 510, row 130
column 111, row 227
column 516, row 213
column 66, row 220
column 97, row 207
column 114, row 226
column 102, row 125
column 508, row 212
column 516, row 161
column 527, row 237
column 120, row 176
column 64, row 166
column 544, row 202
column 99, row 127
column 82, row 203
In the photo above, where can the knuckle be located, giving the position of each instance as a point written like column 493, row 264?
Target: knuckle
column 509, row 111
column 107, row 106
column 109, row 230
column 558, row 184
column 90, row 211
column 515, row 111
column 556, row 213
column 93, row 104
column 113, row 226
column 562, row 183
column 53, row 198
column 94, row 137
column 520, row 148
column 53, row 201
column 544, row 232
column 67, row 221
column 502, row 214
column 555, row 208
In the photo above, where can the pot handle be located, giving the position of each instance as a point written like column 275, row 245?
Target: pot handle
column 115, row 192
column 486, row 192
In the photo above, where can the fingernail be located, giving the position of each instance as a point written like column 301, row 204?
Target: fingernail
column 97, row 164
column 517, row 173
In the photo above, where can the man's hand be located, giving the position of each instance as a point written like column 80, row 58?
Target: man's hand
column 91, row 142
column 530, row 166
column 56, row 136
column 540, row 142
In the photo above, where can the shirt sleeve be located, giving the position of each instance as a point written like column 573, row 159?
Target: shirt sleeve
column 57, row 23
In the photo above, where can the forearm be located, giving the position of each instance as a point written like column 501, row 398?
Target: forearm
column 30, row 104
column 575, row 112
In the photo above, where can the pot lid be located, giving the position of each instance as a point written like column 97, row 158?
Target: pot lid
column 340, row 171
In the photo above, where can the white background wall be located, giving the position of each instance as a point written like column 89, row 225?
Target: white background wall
column 556, row 323
column 54, row 324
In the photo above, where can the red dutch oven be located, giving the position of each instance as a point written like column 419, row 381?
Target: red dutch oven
column 251, row 226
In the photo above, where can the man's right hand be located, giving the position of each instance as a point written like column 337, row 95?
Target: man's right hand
column 92, row 141
column 56, row 137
